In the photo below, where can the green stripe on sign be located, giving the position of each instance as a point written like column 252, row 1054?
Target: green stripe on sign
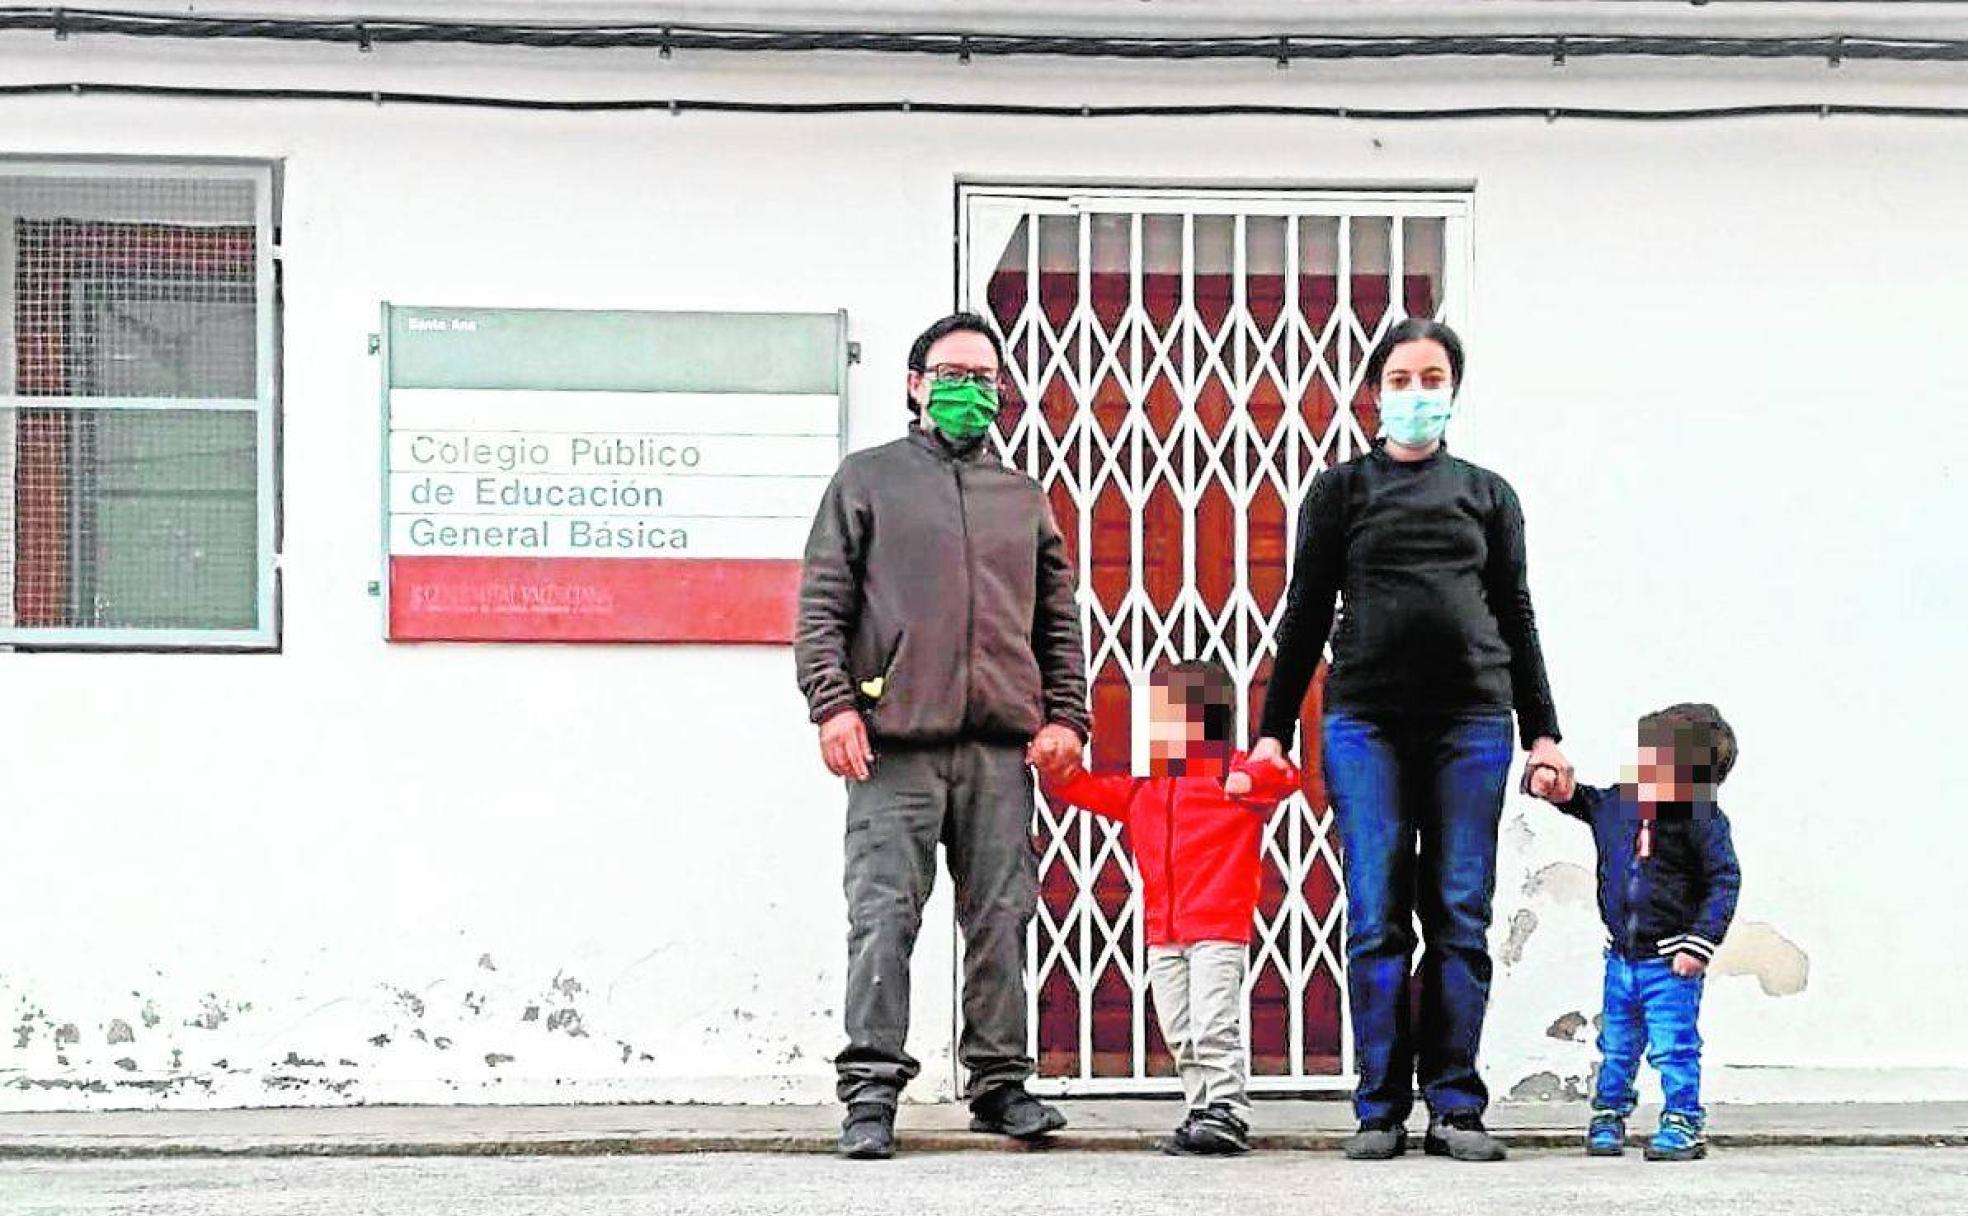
column 677, row 352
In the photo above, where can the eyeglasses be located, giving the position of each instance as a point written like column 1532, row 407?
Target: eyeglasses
column 950, row 373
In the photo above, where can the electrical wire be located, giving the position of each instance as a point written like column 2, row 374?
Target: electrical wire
column 681, row 105
column 1284, row 48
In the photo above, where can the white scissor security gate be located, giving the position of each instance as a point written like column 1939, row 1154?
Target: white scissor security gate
column 1183, row 365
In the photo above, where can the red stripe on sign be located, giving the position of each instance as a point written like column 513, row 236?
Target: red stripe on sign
column 584, row 599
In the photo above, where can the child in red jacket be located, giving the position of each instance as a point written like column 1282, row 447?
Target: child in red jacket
column 1194, row 829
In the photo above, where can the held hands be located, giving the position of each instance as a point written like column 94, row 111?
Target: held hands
column 844, row 746
column 1055, row 752
column 1687, row 966
column 1547, row 774
column 1267, row 751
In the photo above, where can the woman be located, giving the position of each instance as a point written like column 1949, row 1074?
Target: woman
column 1436, row 644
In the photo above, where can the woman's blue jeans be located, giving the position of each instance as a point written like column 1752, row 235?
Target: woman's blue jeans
column 1418, row 800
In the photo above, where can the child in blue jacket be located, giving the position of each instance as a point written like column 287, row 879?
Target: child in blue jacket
column 1668, row 881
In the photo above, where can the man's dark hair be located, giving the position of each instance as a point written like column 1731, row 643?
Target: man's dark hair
column 1416, row 329
column 1201, row 686
column 955, row 323
column 1702, row 740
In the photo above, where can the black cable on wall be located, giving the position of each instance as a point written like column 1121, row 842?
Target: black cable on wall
column 1283, row 48
column 681, row 105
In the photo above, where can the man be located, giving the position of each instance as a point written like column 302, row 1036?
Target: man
column 939, row 650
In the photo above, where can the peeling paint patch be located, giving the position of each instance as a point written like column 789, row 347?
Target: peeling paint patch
column 485, row 963
column 1562, row 882
column 495, row 1058
column 120, row 1032
column 1549, row 1087
column 568, row 1020
column 1756, row 948
column 1523, row 923
column 1567, row 1027
column 67, row 1034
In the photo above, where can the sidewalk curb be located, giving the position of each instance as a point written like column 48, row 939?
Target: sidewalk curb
column 135, row 1148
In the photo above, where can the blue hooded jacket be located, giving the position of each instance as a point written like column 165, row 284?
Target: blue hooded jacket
column 1678, row 900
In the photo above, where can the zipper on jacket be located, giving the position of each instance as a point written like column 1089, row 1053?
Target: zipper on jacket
column 1168, row 863
column 970, row 589
column 1633, row 885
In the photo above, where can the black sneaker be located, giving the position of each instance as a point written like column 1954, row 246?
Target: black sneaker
column 1460, row 1134
column 868, row 1132
column 1377, row 1140
column 1009, row 1111
column 1220, row 1132
column 1178, row 1143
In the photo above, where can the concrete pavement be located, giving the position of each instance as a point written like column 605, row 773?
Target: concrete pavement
column 381, row 1131
column 1742, row 1182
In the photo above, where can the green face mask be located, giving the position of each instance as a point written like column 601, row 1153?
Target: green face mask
column 962, row 410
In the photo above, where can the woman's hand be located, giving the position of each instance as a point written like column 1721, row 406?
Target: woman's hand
column 1553, row 780
column 1237, row 784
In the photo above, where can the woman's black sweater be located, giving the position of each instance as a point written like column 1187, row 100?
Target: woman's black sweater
column 1435, row 616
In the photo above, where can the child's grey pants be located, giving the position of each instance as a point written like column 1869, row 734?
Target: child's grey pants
column 976, row 799
column 1199, row 1000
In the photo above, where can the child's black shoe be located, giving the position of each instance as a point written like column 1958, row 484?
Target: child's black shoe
column 1178, row 1143
column 1219, row 1132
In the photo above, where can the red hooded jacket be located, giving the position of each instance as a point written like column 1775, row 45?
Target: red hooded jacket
column 1196, row 847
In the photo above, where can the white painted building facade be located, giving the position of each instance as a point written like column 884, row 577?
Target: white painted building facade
column 1716, row 358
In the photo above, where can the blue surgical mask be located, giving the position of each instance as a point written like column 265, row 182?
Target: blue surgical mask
column 1415, row 417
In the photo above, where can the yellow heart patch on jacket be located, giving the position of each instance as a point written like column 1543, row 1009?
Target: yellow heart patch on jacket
column 874, row 688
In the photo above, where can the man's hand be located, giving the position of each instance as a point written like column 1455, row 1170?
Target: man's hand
column 1268, row 750
column 844, row 746
column 1055, row 752
column 1687, row 966
column 1551, row 786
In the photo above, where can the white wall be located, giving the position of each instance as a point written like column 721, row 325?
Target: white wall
column 1716, row 360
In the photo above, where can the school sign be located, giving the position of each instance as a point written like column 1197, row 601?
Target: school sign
column 604, row 476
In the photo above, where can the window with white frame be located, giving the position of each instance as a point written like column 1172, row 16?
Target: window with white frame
column 137, row 405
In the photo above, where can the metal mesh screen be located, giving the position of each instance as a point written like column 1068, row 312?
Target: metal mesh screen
column 132, row 438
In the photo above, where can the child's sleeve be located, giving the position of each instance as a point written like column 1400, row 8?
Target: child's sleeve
column 1271, row 783
column 1109, row 797
column 1723, row 883
column 1585, row 802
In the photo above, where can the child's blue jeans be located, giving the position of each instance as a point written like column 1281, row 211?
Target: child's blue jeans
column 1647, row 1006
